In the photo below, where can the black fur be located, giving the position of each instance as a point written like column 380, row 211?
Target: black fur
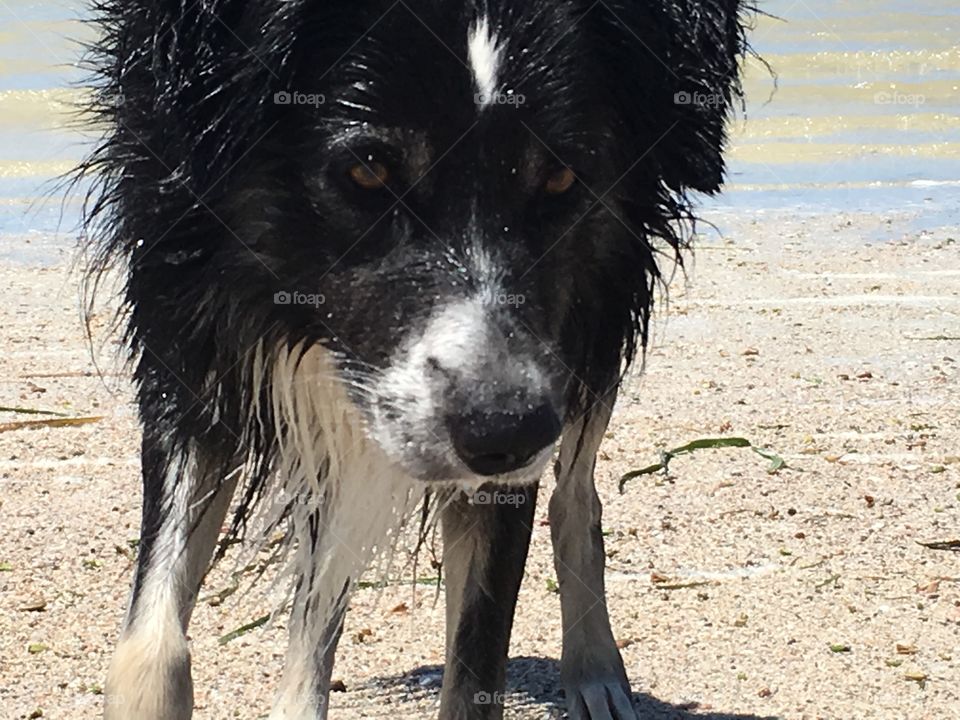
column 214, row 197
column 185, row 93
column 479, row 638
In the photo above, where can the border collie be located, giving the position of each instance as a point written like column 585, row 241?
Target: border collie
column 378, row 250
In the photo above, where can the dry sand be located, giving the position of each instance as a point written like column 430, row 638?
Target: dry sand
column 735, row 593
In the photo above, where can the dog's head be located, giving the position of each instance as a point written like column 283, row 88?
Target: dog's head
column 460, row 201
column 463, row 196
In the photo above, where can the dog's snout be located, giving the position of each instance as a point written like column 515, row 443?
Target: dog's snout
column 494, row 442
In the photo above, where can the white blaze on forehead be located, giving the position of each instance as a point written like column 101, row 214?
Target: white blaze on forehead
column 484, row 56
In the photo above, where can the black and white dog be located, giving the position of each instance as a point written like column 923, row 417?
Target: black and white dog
column 380, row 248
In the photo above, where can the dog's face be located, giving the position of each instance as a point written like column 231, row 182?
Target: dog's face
column 425, row 223
column 439, row 205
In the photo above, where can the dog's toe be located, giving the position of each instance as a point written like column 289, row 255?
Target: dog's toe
column 600, row 701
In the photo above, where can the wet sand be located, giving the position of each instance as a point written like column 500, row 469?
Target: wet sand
column 735, row 593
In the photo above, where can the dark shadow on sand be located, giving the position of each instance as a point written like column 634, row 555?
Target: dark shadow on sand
column 535, row 681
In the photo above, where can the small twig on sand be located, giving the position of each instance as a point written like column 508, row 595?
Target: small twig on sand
column 30, row 411
column 684, row 586
column 52, row 422
column 74, row 374
column 776, row 462
column 244, row 629
column 832, row 579
column 953, row 545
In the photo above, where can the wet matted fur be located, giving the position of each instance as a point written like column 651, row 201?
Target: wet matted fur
column 373, row 249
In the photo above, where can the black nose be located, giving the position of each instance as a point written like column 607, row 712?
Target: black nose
column 493, row 443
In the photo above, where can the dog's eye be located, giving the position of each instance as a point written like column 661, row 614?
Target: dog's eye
column 560, row 181
column 371, row 175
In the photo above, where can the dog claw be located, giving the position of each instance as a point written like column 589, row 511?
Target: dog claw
column 600, row 701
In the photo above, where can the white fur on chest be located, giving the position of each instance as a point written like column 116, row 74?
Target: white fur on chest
column 345, row 504
column 330, row 472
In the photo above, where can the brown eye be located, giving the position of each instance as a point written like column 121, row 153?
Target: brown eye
column 561, row 181
column 370, row 175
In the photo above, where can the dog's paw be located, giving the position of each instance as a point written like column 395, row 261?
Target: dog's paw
column 599, row 700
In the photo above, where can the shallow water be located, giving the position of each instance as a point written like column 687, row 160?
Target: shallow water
column 864, row 113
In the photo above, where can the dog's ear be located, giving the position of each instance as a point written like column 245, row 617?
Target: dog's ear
column 671, row 69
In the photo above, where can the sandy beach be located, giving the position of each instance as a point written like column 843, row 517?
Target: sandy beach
column 820, row 322
column 736, row 593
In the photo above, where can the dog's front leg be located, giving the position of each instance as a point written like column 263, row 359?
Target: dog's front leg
column 485, row 543
column 591, row 668
column 185, row 500
column 316, row 622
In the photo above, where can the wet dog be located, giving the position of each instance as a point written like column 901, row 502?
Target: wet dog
column 374, row 249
